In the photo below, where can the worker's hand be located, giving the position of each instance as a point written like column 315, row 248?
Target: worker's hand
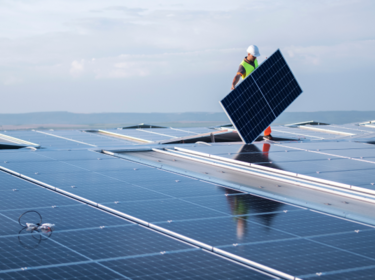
column 232, row 88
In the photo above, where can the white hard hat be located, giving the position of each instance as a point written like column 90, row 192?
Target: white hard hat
column 253, row 50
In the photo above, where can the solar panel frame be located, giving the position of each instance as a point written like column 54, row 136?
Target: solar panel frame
column 261, row 86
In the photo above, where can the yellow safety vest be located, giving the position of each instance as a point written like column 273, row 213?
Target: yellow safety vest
column 248, row 68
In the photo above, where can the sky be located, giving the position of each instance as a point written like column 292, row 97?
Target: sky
column 179, row 56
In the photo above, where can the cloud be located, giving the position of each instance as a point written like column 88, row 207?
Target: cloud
column 11, row 80
column 77, row 68
column 196, row 51
column 334, row 58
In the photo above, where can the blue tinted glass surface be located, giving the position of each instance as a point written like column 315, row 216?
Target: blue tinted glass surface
column 73, row 155
column 28, row 168
column 346, row 274
column 164, row 210
column 306, row 223
column 20, row 156
column 19, row 251
column 187, row 265
column 91, row 138
column 10, row 182
column 68, row 179
column 227, row 230
column 120, row 192
column 71, row 217
column 90, row 271
column 240, row 204
column 142, row 175
column 117, row 242
column 185, row 188
column 300, row 257
column 44, row 140
column 360, row 241
column 362, row 178
column 107, row 165
column 33, row 198
column 9, row 226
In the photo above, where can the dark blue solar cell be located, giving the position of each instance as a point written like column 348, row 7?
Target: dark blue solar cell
column 186, row 265
column 69, row 217
column 27, row 168
column 358, row 273
column 120, row 191
column 307, row 223
column 227, row 230
column 141, row 176
column 300, row 256
column 25, row 250
column 359, row 241
column 241, row 204
column 20, row 156
column 166, row 209
column 92, row 271
column 9, row 226
column 107, row 165
column 68, row 179
column 33, row 198
column 117, row 242
column 261, row 97
column 73, row 155
column 185, row 188
column 10, row 182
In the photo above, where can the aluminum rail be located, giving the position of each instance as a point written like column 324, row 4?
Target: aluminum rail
column 17, row 140
column 126, row 137
column 184, row 238
column 324, row 130
column 277, row 177
column 283, row 172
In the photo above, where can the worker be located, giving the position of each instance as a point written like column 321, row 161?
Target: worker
column 248, row 65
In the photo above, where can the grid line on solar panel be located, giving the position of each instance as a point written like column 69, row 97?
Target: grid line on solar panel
column 92, row 271
column 261, row 97
column 364, row 272
column 189, row 265
column 299, row 257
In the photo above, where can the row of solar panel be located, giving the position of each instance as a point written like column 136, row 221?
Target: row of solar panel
column 246, row 225
column 345, row 162
column 76, row 139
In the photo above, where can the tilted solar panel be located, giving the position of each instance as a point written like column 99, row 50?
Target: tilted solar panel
column 255, row 103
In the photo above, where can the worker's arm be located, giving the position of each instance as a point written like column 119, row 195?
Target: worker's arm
column 235, row 80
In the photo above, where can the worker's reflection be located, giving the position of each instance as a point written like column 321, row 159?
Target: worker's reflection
column 243, row 205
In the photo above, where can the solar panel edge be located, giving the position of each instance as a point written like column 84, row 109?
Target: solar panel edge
column 290, row 69
column 221, row 104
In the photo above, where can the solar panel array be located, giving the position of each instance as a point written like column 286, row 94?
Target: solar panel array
column 261, row 97
column 94, row 242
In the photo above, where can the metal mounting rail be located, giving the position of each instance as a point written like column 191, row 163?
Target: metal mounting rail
column 301, row 182
column 126, row 137
column 17, row 140
column 252, row 166
column 325, row 130
column 184, row 238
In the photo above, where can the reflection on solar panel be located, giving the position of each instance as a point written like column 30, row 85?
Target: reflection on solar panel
column 261, row 97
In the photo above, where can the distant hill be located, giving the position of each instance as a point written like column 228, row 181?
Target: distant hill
column 331, row 117
column 97, row 119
